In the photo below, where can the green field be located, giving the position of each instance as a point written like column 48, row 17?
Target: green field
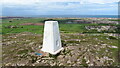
column 67, row 28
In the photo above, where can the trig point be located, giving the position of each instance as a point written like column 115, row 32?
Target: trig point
column 51, row 40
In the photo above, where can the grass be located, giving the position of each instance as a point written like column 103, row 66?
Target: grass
column 22, row 51
column 67, row 28
column 37, row 29
column 26, row 28
column 115, row 20
column 73, row 28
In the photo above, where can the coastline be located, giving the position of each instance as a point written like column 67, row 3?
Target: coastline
column 64, row 16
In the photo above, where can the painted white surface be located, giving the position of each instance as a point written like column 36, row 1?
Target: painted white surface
column 51, row 40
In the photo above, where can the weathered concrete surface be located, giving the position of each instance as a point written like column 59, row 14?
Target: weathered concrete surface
column 51, row 40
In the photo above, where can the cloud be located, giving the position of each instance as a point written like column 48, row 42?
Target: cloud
column 100, row 1
column 50, row 3
column 44, row 7
column 24, row 2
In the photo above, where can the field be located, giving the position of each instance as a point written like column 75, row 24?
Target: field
column 84, row 43
column 7, row 25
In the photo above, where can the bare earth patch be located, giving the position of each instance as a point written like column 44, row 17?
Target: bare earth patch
column 32, row 24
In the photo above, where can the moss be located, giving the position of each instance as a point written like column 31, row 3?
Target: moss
column 63, row 43
column 33, row 59
column 77, row 42
column 66, row 52
column 84, row 63
column 54, row 56
column 111, row 37
column 22, row 51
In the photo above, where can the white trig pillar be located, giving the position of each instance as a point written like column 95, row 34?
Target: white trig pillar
column 51, row 40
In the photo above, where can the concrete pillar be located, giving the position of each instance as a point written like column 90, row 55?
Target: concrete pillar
column 51, row 40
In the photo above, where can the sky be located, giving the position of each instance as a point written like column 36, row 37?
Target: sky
column 58, row 7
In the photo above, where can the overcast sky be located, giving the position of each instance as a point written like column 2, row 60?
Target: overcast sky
column 59, row 7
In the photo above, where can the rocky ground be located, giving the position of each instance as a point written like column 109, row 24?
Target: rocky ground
column 102, row 28
column 79, row 50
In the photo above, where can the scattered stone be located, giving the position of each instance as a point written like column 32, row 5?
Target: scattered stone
column 47, row 58
column 113, row 46
column 94, row 54
column 68, row 61
column 60, row 56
